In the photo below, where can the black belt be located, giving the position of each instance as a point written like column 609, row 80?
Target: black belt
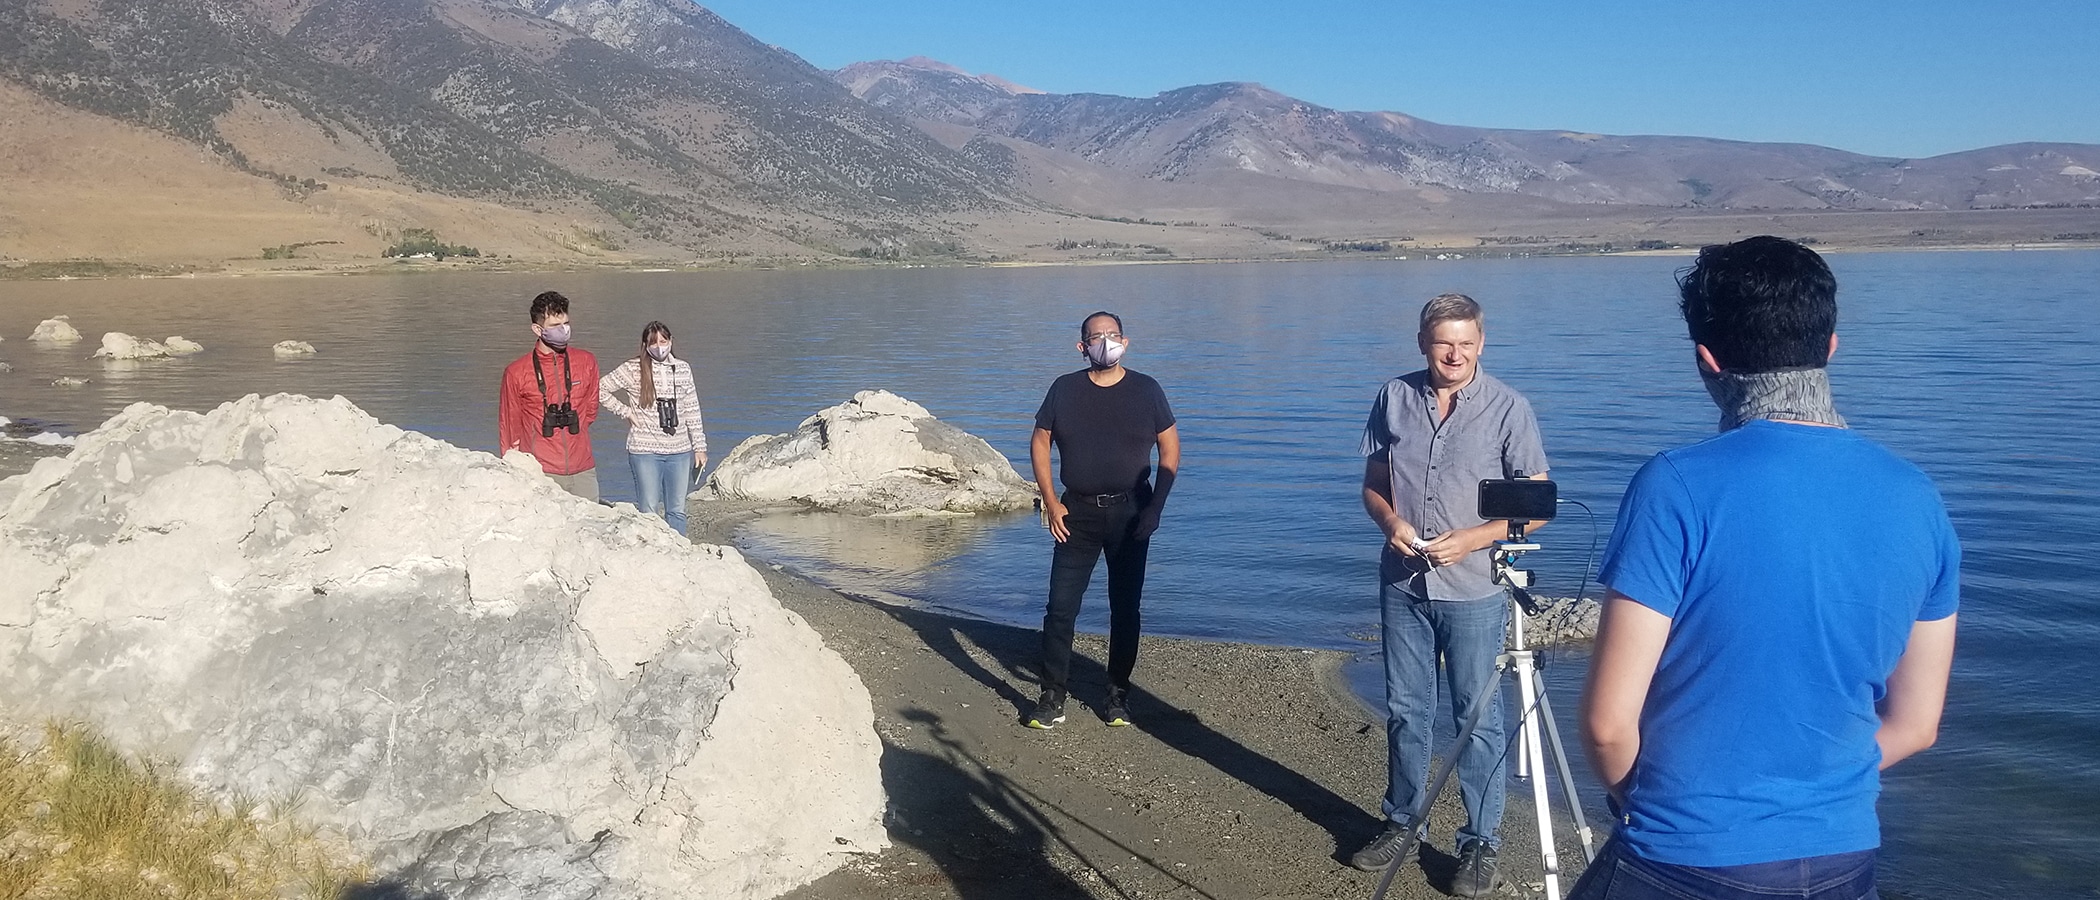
column 1100, row 499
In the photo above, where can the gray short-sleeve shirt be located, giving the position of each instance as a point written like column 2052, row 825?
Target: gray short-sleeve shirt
column 1437, row 469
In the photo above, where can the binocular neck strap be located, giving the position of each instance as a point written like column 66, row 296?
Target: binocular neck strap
column 568, row 386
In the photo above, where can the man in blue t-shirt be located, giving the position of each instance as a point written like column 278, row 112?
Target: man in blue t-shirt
column 1780, row 620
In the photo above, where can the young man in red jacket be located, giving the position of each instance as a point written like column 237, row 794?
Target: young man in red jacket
column 550, row 399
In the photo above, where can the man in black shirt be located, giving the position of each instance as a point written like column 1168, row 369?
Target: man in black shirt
column 1104, row 421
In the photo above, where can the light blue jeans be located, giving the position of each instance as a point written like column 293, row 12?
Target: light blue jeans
column 1469, row 635
column 661, row 481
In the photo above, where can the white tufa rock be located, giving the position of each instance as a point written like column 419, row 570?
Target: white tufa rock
column 118, row 345
column 68, row 381
column 5, row 368
column 182, row 346
column 55, row 330
column 875, row 453
column 293, row 348
column 496, row 689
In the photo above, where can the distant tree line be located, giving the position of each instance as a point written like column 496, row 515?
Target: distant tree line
column 416, row 241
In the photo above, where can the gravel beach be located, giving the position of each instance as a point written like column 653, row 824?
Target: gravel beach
column 1250, row 772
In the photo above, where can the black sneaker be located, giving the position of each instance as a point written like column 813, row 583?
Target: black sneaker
column 1117, row 711
column 1383, row 849
column 1476, row 875
column 1049, row 710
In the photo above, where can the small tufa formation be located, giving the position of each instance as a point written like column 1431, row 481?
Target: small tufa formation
column 55, row 330
column 181, row 346
column 68, row 381
column 875, row 453
column 117, row 345
column 1562, row 620
column 496, row 689
column 293, row 348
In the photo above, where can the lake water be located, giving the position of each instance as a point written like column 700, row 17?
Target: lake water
column 1980, row 367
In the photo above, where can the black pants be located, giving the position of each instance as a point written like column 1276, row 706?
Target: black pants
column 1096, row 531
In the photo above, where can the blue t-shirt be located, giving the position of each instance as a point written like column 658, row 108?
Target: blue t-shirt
column 1793, row 561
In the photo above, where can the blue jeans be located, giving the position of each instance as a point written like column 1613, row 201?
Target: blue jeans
column 1619, row 875
column 1469, row 635
column 661, row 481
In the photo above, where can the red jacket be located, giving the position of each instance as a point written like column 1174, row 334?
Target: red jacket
column 521, row 407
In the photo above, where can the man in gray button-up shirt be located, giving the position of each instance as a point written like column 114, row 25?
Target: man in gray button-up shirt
column 1433, row 436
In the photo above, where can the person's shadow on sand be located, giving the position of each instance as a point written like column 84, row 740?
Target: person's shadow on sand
column 1180, row 729
column 993, row 838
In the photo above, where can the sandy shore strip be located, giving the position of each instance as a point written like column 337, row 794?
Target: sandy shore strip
column 1251, row 771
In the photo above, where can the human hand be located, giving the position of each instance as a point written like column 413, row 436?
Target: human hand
column 1147, row 523
column 699, row 459
column 1401, row 538
column 1054, row 513
column 1451, row 547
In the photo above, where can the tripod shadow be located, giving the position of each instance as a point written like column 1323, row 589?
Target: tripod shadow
column 1017, row 682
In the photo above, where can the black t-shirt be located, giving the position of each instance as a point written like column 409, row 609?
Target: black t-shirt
column 1104, row 435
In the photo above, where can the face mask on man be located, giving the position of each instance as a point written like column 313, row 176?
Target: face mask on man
column 556, row 336
column 1104, row 353
column 659, row 352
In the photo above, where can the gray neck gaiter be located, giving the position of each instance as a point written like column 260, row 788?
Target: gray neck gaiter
column 1787, row 395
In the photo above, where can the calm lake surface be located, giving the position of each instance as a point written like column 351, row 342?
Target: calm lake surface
column 1979, row 367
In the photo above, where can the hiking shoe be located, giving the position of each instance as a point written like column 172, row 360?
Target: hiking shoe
column 1383, row 849
column 1476, row 875
column 1049, row 710
column 1117, row 711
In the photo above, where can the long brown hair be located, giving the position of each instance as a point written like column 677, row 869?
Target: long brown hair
column 648, row 371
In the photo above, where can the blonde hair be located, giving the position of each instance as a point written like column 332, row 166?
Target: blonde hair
column 1451, row 308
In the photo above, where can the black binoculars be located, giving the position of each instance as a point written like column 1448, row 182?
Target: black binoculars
column 667, row 414
column 560, row 416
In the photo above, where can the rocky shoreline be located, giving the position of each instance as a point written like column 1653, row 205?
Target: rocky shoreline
column 1252, row 771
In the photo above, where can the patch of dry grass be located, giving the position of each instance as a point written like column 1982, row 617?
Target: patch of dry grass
column 81, row 820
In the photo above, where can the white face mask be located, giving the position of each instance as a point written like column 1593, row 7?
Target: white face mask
column 659, row 352
column 1104, row 353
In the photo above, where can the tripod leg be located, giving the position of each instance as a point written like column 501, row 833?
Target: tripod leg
column 1527, row 687
column 1567, row 779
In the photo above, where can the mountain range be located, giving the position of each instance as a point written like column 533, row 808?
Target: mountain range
column 627, row 130
column 1195, row 133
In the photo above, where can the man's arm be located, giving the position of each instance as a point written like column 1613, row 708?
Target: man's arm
column 1378, row 504
column 1917, row 692
column 1162, row 481
column 1630, row 639
column 508, row 428
column 587, row 407
column 1039, row 461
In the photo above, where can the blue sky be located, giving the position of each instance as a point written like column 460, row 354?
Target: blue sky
column 1888, row 77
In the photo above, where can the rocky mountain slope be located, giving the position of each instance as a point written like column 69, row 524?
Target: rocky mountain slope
column 1201, row 133
column 653, row 120
column 220, row 132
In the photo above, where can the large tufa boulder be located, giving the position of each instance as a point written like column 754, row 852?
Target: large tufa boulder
column 118, row 345
column 497, row 689
column 875, row 453
column 55, row 330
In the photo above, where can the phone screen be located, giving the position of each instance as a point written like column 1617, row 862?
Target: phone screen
column 1518, row 498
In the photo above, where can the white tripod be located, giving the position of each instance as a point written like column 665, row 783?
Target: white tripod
column 1531, row 752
